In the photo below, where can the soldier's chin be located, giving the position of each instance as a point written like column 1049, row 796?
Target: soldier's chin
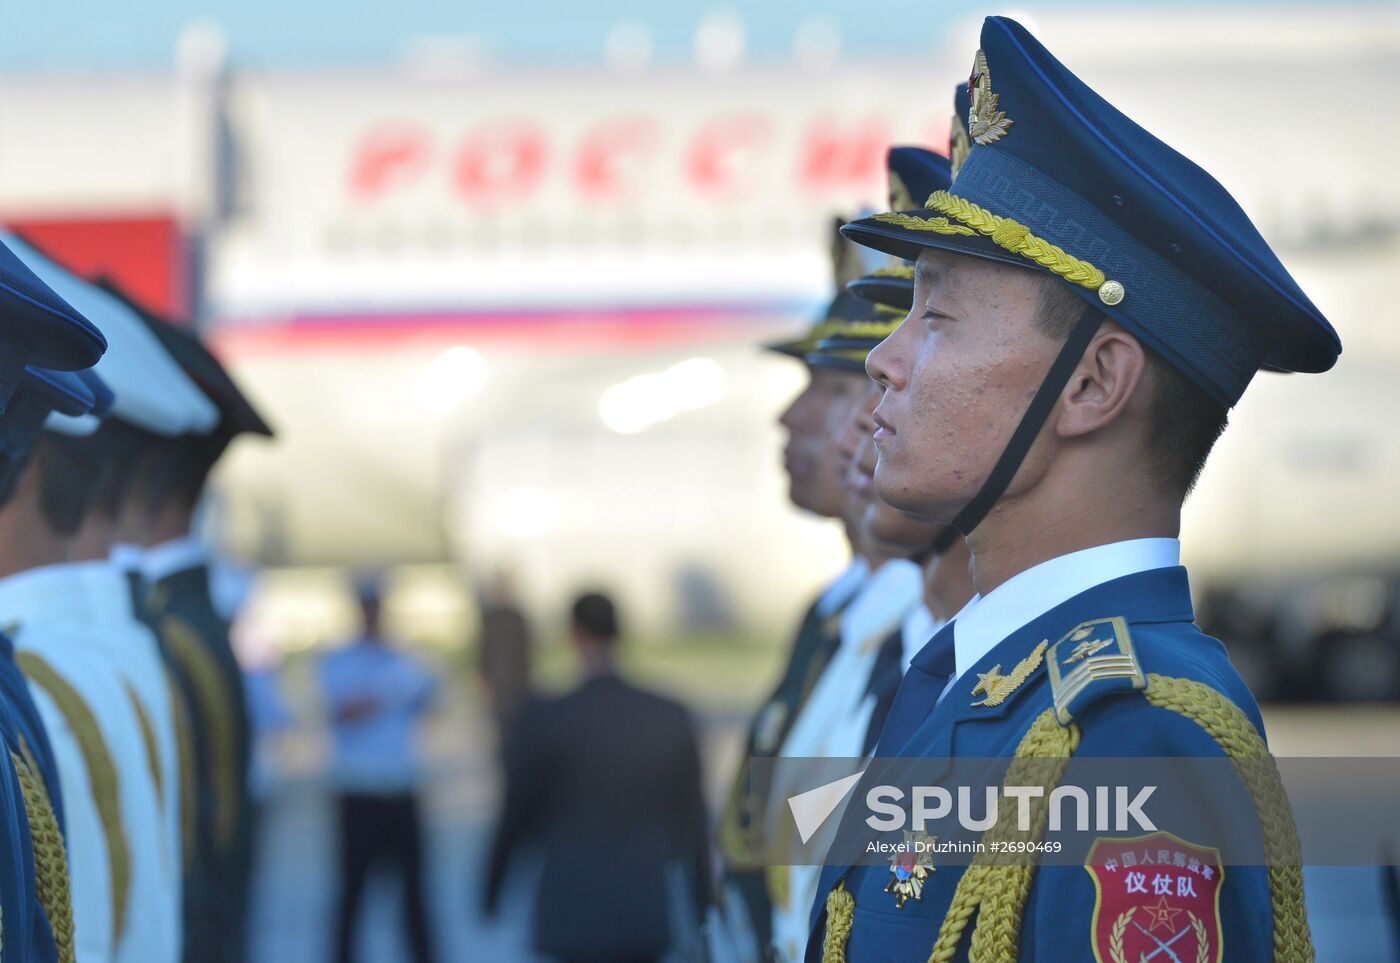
column 913, row 500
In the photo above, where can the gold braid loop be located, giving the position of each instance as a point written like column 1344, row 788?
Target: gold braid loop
column 996, row 885
column 148, row 739
column 1235, row 734
column 50, row 860
column 778, row 880
column 216, row 711
column 189, row 763
column 102, row 776
column 840, row 917
column 1004, row 232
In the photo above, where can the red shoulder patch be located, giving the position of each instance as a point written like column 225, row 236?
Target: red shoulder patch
column 1158, row 900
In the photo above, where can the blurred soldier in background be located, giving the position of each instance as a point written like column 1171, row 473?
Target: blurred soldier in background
column 815, row 472
column 36, row 327
column 606, row 782
column 504, row 649
column 376, row 696
column 174, row 583
column 27, row 540
column 96, row 671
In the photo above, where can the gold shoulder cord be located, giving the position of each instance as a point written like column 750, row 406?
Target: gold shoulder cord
column 50, row 858
column 996, row 893
column 148, row 738
column 216, row 710
column 189, row 778
column 102, row 775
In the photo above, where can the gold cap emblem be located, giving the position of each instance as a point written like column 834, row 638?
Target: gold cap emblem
column 985, row 123
column 1111, row 292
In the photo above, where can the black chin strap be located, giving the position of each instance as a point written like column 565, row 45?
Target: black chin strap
column 1025, row 434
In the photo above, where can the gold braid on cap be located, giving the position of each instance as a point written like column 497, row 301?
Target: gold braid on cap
column 905, row 272
column 869, row 329
column 102, row 775
column 50, row 858
column 1005, row 233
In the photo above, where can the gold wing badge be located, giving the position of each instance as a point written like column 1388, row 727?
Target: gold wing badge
column 985, row 123
column 996, row 687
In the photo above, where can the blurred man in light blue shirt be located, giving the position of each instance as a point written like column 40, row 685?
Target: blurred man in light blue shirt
column 375, row 696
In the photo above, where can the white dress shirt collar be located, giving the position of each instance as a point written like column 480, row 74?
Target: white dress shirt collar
column 169, row 557
column 845, row 585
column 884, row 600
column 127, row 556
column 985, row 621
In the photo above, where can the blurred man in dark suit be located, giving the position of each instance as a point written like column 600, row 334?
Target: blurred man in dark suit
column 605, row 781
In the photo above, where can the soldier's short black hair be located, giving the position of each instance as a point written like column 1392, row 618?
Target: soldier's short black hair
column 70, row 473
column 1186, row 422
column 595, row 615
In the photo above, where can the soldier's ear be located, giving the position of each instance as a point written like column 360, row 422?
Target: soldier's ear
column 1105, row 384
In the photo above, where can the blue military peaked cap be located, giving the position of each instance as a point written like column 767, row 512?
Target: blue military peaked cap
column 102, row 395
column 67, row 392
column 38, row 327
column 915, row 173
column 848, row 261
column 855, row 327
column 1058, row 180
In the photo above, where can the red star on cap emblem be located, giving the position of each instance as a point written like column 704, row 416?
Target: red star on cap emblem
column 1162, row 915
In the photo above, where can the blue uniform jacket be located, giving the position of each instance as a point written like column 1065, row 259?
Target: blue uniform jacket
column 1060, row 919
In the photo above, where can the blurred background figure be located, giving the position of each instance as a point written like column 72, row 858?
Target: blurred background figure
column 605, row 782
column 503, row 650
column 375, row 696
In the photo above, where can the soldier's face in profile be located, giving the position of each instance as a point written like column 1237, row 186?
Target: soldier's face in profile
column 813, row 421
column 884, row 529
column 957, row 375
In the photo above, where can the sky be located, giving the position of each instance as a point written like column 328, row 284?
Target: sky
column 141, row 34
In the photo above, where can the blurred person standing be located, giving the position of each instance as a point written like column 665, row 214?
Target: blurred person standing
column 605, row 780
column 376, row 696
column 95, row 670
column 37, row 327
column 504, row 646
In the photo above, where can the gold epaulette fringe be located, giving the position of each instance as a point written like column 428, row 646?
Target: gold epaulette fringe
column 50, row 858
column 102, row 776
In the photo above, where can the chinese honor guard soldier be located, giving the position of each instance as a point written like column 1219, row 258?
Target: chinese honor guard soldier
column 37, row 328
column 815, row 484
column 1088, row 305
column 196, row 640
column 96, row 673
